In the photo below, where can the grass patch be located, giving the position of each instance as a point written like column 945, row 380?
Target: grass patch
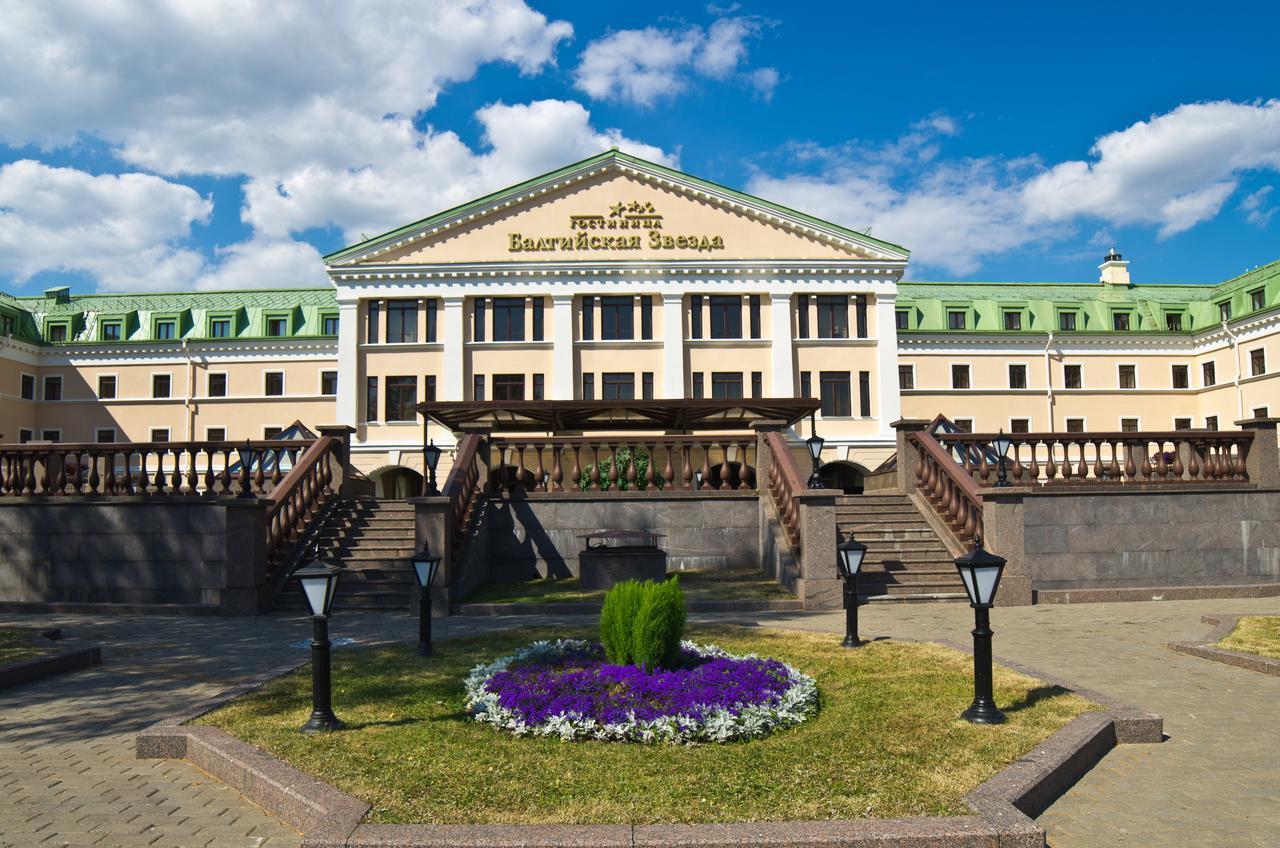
column 17, row 645
column 1255, row 634
column 716, row 585
column 887, row 741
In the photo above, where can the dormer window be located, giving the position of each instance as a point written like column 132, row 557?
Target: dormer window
column 329, row 325
column 902, row 319
column 955, row 320
column 111, row 331
column 1257, row 299
column 57, row 333
column 1120, row 321
column 1173, row 322
column 277, row 327
column 1012, row 319
column 166, row 330
column 1067, row 322
column 1224, row 310
column 220, row 328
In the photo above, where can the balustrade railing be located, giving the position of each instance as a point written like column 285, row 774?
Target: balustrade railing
column 623, row 464
column 1104, row 458
column 154, row 469
column 461, row 488
column 786, row 484
column 951, row 491
column 294, row 498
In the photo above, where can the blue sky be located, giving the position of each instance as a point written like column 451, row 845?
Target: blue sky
column 193, row 145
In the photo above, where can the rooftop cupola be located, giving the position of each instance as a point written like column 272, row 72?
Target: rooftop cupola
column 58, row 294
column 1115, row 270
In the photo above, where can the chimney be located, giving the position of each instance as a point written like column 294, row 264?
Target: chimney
column 1115, row 270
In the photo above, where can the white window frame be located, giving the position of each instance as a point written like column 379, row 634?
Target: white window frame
column 1217, row 422
column 1260, row 349
column 115, row 435
column 209, row 438
column 1120, row 422
column 44, row 388
column 151, row 433
column 226, row 384
column 914, row 383
column 35, row 386
column 98, row 388
column 31, row 435
column 1079, row 365
column 1084, row 423
column 1026, row 374
column 1136, row 382
column 1173, row 365
column 1009, row 423
column 283, row 390
column 1191, row 422
column 951, row 377
column 972, row 424
column 155, row 374
column 320, row 388
column 266, row 427
column 45, row 437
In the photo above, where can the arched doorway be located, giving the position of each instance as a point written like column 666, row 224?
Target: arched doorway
column 845, row 476
column 395, row 482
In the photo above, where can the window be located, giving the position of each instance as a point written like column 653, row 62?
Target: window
column 1067, row 322
column 1182, row 423
column 273, row 383
column 1019, row 425
column 1128, row 376
column 53, row 388
column 508, row 387
column 1209, row 372
column 753, row 310
column 906, row 377
column 328, row 382
column 104, row 435
column 726, row 317
column 646, row 317
column 646, row 385
column 429, row 393
column 58, row 333
column 1224, row 310
column 588, row 318
column 1017, row 376
column 726, row 384
column 806, row 384
column 166, row 330
column 802, row 316
column 616, row 314
column 757, row 384
column 433, row 313
column 1012, row 320
column 1257, row 299
column 860, row 314
column 159, row 434
column 215, row 434
column 833, row 316
column 1075, row 425
column 1260, row 412
column 834, row 393
column 106, row 386
column 6, row 325
column 272, row 432
column 51, row 435
column 963, row 425
column 618, row 386
column 217, row 385
column 329, row 325
column 1211, row 422
column 1257, row 362
column 1120, row 321
column 955, row 320
column 477, row 387
column 28, row 388
column 901, row 318
column 402, row 397
column 402, row 321
column 1071, row 377
column 539, row 319
column 588, row 386
column 1181, row 377
column 278, row 326
column 220, row 328
column 1128, row 425
column 111, row 331
column 371, row 399
column 959, row 376
column 1173, row 322
column 539, row 387
column 697, row 385
column 864, row 394
column 371, row 327
column 508, row 320
column 478, row 321
column 25, row 435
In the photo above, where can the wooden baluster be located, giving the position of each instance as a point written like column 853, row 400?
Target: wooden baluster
column 1113, row 469
column 557, row 472
column 540, row 472
column 668, row 473
column 1130, row 467
column 276, row 476
column 1193, row 459
column 1033, row 468
column 1050, row 467
column 1239, row 466
column 984, row 467
column 686, row 472
column 1068, row 465
column 725, row 471
column 1178, row 467
column 159, row 480
column 77, row 477
column 225, row 475
column 613, row 465
column 631, row 467
column 971, row 521
column 517, row 459
column 744, row 470
column 260, row 476
column 93, row 479
column 1161, row 466
column 650, row 473
column 175, row 482
column 1099, row 472
column 1015, row 469
column 1083, row 471
column 109, row 473
column 127, row 483
column 575, row 474
column 706, row 466
column 595, row 469
column 193, row 478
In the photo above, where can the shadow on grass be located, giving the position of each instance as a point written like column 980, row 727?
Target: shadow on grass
column 1035, row 696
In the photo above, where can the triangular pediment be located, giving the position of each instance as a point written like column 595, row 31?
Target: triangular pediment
column 615, row 207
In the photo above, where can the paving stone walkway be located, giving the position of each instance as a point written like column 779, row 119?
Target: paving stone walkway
column 68, row 775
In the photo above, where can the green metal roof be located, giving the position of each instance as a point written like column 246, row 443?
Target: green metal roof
column 600, row 158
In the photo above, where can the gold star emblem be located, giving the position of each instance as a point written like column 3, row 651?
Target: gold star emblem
column 617, row 209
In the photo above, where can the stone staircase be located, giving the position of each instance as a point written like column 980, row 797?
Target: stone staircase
column 371, row 540
column 906, row 560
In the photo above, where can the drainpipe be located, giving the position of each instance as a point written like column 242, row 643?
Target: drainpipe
column 191, row 377
column 1048, row 381
column 1234, row 343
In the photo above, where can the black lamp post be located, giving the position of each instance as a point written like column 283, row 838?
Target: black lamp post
column 851, row 553
column 431, row 458
column 319, row 581
column 246, row 459
column 425, row 566
column 981, row 572
column 814, row 444
column 697, row 479
column 1002, row 445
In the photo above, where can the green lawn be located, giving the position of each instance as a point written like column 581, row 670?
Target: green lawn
column 1255, row 634
column 719, row 585
column 18, row 645
column 887, row 741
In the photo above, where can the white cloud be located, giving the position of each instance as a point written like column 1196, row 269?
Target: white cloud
column 265, row 263
column 1255, row 207
column 645, row 66
column 125, row 230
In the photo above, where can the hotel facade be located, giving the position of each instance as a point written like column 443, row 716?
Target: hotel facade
column 618, row 279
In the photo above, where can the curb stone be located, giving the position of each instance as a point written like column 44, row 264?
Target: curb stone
column 1223, row 625
column 61, row 662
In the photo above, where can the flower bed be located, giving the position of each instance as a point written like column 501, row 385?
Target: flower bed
column 566, row 689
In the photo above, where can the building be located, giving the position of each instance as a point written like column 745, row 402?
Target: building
column 616, row 278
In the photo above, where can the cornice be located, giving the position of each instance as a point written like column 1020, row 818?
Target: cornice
column 593, row 269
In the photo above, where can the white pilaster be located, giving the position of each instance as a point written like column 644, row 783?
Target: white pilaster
column 350, row 390
column 672, row 346
column 562, row 381
column 890, row 408
column 782, row 349
column 452, row 331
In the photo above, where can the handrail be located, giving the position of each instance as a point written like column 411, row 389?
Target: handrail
column 952, row 492
column 785, row 486
column 295, row 498
column 461, row 487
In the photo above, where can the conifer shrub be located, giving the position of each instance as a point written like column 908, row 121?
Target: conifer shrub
column 617, row 620
column 659, row 626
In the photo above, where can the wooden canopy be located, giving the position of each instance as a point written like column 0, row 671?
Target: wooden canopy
column 592, row 416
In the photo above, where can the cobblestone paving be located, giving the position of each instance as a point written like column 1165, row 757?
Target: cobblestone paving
column 68, row 776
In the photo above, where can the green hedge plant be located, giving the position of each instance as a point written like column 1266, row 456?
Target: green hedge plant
column 642, row 624
column 617, row 618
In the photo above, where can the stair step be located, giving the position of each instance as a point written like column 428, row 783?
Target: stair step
column 374, row 544
column 397, row 554
column 911, row 578
column 923, row 598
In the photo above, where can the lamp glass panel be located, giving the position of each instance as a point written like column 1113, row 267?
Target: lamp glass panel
column 814, row 444
column 966, row 574
column 433, row 456
column 315, row 588
column 1003, row 443
column 987, row 577
column 425, row 569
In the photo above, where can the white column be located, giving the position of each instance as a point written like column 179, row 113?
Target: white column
column 350, row 389
column 890, row 408
column 672, row 346
column 784, row 385
column 562, row 381
column 452, row 331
